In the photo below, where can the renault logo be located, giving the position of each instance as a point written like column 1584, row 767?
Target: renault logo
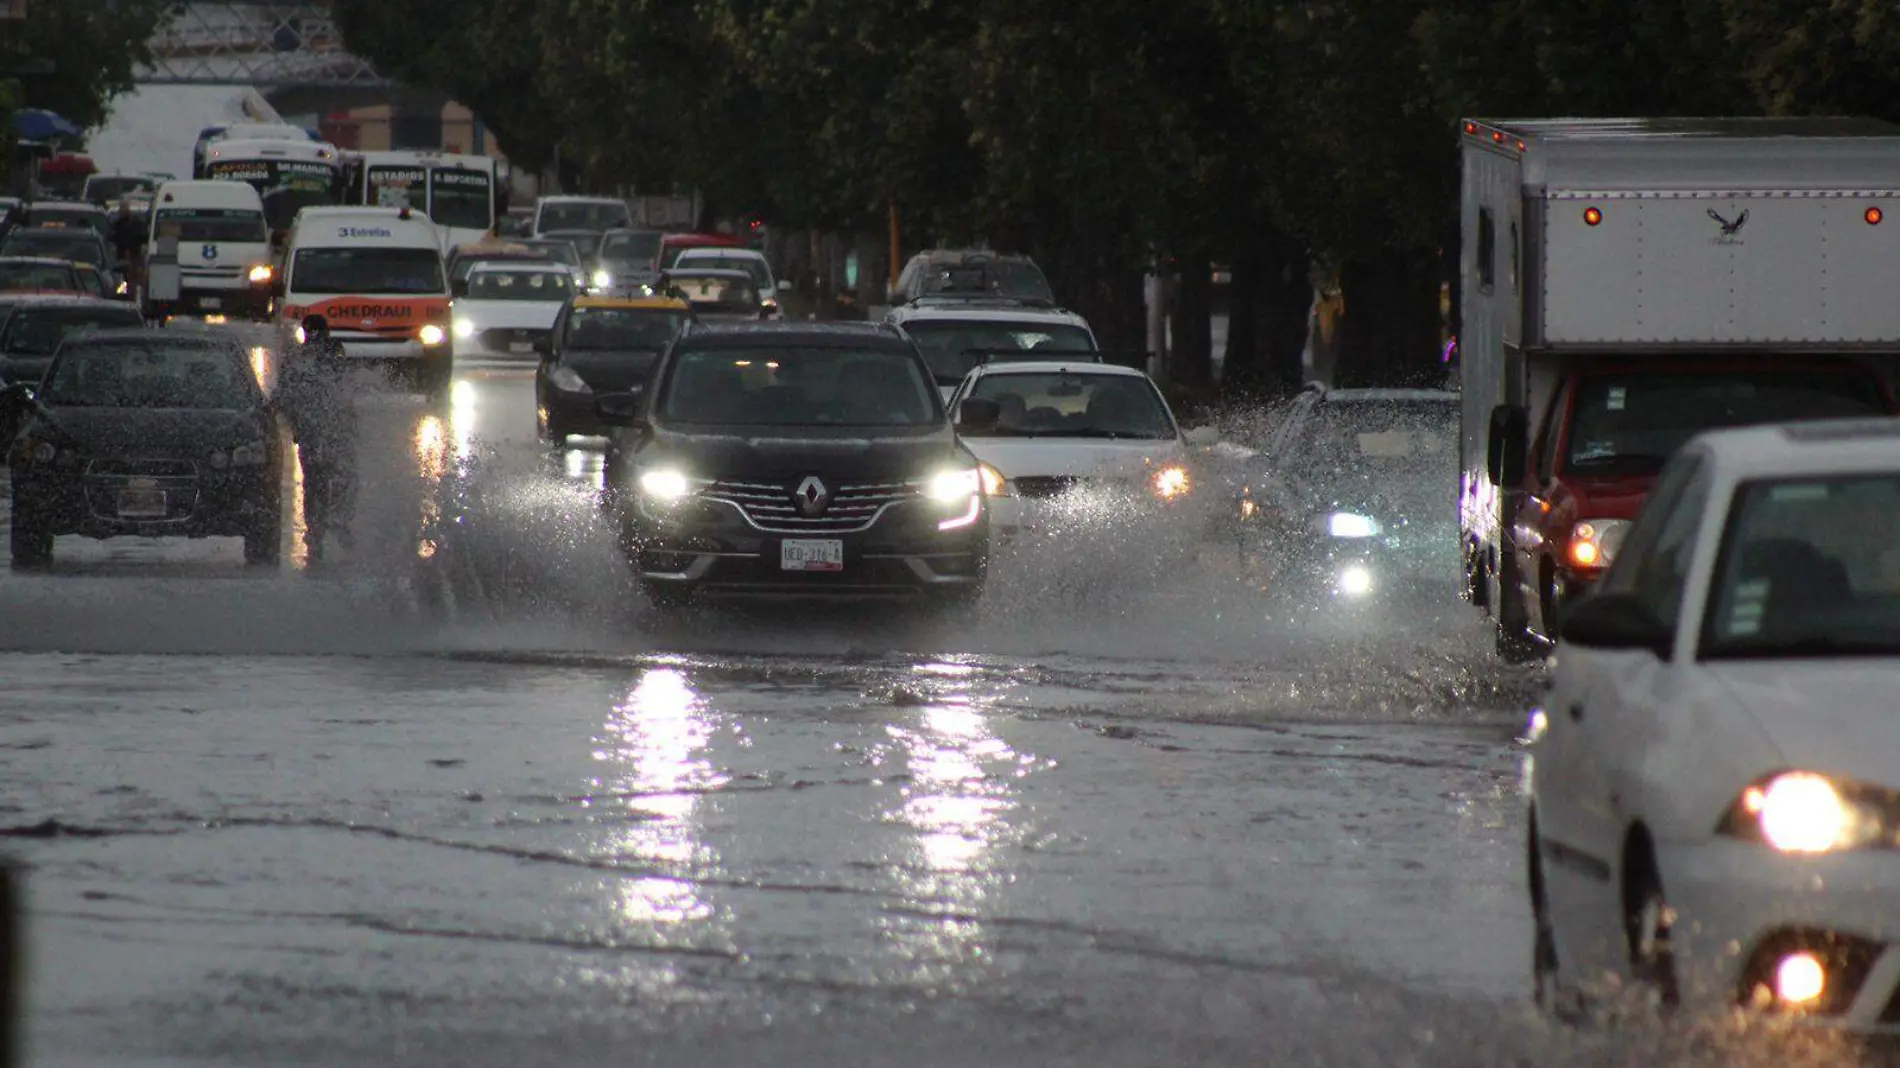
column 811, row 497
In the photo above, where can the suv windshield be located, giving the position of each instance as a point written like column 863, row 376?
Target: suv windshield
column 212, row 224
column 641, row 249
column 1809, row 567
column 1633, row 423
column 1382, row 456
column 149, row 374
column 1073, row 404
column 492, row 284
column 38, row 276
column 583, row 215
column 993, row 278
column 643, row 329
column 32, row 331
column 954, row 349
column 798, row 387
column 367, row 270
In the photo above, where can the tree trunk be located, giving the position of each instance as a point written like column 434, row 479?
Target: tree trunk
column 1266, row 328
column 1389, row 332
column 1191, row 353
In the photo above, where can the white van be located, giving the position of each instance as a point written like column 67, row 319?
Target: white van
column 376, row 274
column 217, row 231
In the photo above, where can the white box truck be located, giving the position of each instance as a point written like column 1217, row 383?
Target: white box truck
column 1627, row 283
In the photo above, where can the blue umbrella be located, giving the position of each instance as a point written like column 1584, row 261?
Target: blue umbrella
column 38, row 124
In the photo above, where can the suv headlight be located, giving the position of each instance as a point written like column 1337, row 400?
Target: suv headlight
column 1593, row 543
column 464, row 328
column 665, row 485
column 260, row 274
column 1352, row 525
column 602, row 279
column 954, row 487
column 431, row 334
column 1806, row 812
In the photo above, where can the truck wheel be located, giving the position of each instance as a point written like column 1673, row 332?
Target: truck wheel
column 1514, row 642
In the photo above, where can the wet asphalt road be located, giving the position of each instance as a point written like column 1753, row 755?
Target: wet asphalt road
column 454, row 799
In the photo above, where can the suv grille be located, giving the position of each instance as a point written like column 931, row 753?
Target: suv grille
column 853, row 506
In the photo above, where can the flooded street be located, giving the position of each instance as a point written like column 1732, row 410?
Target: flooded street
column 456, row 799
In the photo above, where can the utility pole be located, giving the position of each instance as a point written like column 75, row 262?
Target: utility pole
column 12, row 970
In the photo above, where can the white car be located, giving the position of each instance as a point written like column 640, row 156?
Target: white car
column 1063, row 428
column 509, row 307
column 1715, row 778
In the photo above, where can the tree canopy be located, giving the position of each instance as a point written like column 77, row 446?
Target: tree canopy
column 93, row 51
column 1273, row 135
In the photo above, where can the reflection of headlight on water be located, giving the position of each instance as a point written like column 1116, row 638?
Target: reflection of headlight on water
column 1355, row 580
column 1349, row 525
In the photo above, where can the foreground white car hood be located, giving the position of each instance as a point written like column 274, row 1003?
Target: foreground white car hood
column 1100, row 457
column 508, row 314
column 1833, row 716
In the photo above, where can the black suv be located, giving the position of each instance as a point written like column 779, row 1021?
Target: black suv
column 794, row 460
column 152, row 433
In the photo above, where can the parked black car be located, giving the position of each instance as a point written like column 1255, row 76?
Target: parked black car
column 599, row 345
column 151, row 433
column 795, row 460
column 32, row 331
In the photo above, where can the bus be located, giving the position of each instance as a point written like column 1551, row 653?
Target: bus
column 244, row 131
column 289, row 175
column 462, row 194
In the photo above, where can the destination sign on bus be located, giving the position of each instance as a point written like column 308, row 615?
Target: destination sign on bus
column 472, row 179
column 404, row 176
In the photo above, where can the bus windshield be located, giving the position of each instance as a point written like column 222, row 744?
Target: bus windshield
column 462, row 198
column 398, row 187
column 287, row 185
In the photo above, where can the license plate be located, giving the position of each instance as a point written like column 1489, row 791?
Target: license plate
column 521, row 347
column 141, row 504
column 811, row 555
column 212, row 302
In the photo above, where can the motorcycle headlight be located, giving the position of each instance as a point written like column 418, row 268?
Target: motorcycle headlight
column 464, row 328
column 431, row 335
column 665, row 486
column 1355, row 580
column 298, row 333
column 1172, row 481
column 248, row 455
column 1351, row 525
column 567, row 380
column 994, row 484
column 1593, row 543
column 954, row 487
column 1805, row 812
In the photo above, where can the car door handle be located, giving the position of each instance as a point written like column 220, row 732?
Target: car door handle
column 1576, row 713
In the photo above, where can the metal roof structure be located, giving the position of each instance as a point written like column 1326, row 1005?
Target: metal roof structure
column 269, row 44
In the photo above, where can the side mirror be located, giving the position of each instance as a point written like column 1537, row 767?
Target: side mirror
column 619, row 409
column 1202, row 436
column 276, row 286
column 1615, row 621
column 15, row 401
column 978, row 413
column 458, row 289
column 277, row 240
column 544, row 346
column 784, row 285
column 1505, row 455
